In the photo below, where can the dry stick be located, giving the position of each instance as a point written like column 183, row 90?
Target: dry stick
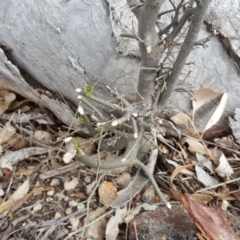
column 89, row 224
column 126, row 160
column 185, row 50
column 135, row 147
column 199, row 136
column 85, row 100
column 89, row 199
column 215, row 144
column 153, row 182
column 99, row 154
column 88, row 124
column 218, row 185
column 135, row 130
column 70, row 127
column 60, row 171
column 10, row 184
column 178, row 27
column 135, row 229
column 9, row 231
column 100, row 101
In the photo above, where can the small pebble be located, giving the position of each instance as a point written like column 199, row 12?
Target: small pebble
column 68, row 211
column 50, row 192
column 73, row 203
column 54, row 182
column 49, row 199
column 66, row 199
column 71, row 184
column 80, row 206
column 60, row 196
column 74, row 222
column 57, row 215
column 123, row 180
column 37, row 207
column 87, row 179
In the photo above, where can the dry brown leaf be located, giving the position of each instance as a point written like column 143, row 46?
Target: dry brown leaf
column 15, row 157
column 202, row 198
column 205, row 161
column 176, row 193
column 20, row 202
column 112, row 228
column 204, row 177
column 194, row 146
column 183, row 171
column 216, row 154
column 224, row 167
column 210, row 221
column 179, row 170
column 20, row 192
column 217, row 113
column 224, row 192
column 17, row 142
column 17, row 104
column 4, row 206
column 6, row 98
column 26, row 172
column 7, row 132
column 17, row 199
column 202, row 96
column 107, row 193
column 183, row 153
column 5, row 164
column 42, row 137
column 138, row 182
column 7, row 174
column 39, row 189
column 97, row 229
column 183, row 119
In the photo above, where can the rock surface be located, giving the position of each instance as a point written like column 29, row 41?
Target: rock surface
column 163, row 223
column 65, row 44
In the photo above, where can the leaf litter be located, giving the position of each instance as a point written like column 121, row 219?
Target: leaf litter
column 46, row 194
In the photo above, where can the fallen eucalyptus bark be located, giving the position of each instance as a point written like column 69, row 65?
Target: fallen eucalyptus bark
column 15, row 157
column 10, row 78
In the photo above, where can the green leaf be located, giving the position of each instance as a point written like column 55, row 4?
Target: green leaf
column 81, row 120
column 79, row 149
column 88, row 90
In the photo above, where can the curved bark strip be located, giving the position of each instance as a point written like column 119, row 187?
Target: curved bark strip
column 10, row 78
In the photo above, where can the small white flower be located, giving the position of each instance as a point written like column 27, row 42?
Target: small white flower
column 78, row 90
column 79, row 97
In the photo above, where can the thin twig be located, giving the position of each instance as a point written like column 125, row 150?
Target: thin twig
column 218, row 185
column 89, row 200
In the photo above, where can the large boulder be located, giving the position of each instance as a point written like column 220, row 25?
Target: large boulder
column 65, row 44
